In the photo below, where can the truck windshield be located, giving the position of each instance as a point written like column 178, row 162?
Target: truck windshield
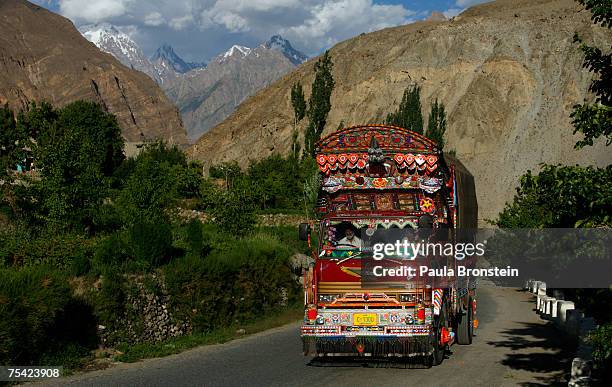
column 344, row 238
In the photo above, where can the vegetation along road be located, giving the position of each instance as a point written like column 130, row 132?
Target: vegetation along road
column 513, row 347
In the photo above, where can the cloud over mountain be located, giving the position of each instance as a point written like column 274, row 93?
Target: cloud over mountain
column 312, row 25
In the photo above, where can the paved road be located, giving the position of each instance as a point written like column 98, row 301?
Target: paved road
column 513, row 347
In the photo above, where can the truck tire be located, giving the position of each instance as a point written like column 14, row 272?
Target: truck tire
column 465, row 326
column 439, row 351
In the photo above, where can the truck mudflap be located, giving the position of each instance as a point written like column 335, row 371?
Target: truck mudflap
column 375, row 346
column 385, row 341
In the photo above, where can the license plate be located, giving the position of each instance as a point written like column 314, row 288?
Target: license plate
column 364, row 319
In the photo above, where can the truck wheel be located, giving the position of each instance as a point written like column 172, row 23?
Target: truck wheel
column 439, row 350
column 465, row 326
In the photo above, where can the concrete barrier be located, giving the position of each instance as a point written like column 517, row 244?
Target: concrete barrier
column 581, row 373
column 562, row 308
column 541, row 298
column 551, row 303
column 553, row 308
column 571, row 320
column 542, row 286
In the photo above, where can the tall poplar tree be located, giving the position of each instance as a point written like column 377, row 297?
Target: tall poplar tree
column 319, row 103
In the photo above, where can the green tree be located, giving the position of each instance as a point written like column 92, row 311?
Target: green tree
column 561, row 196
column 9, row 142
column 298, row 102
column 595, row 120
column 436, row 126
column 233, row 212
column 408, row 115
column 319, row 103
column 148, row 192
column 16, row 136
column 228, row 171
column 76, row 154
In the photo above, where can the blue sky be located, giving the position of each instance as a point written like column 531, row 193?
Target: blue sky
column 201, row 29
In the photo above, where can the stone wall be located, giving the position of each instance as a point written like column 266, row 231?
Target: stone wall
column 148, row 317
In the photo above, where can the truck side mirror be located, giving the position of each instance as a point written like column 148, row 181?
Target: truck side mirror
column 304, row 231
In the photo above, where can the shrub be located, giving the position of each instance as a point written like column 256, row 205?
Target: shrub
column 561, row 196
column 150, row 242
column 195, row 239
column 233, row 212
column 111, row 254
column 38, row 315
column 601, row 339
column 61, row 251
column 236, row 283
column 110, row 300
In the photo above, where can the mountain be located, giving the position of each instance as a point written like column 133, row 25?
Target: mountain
column 508, row 73
column 44, row 57
column 277, row 43
column 109, row 39
column 163, row 64
column 235, row 52
column 206, row 96
column 168, row 64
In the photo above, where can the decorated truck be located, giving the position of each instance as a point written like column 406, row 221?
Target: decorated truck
column 376, row 181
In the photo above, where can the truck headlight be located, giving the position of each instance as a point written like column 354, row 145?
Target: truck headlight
column 327, row 298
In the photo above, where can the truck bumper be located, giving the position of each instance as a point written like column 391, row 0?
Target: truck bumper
column 411, row 340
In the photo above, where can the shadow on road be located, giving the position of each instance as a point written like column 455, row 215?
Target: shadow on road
column 538, row 348
column 415, row 362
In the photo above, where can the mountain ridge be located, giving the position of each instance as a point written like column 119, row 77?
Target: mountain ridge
column 508, row 73
column 207, row 96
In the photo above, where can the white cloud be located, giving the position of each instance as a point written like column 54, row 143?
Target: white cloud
column 180, row 23
column 333, row 21
column 93, row 11
column 232, row 21
column 311, row 25
column 154, row 19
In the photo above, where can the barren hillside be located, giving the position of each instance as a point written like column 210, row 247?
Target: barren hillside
column 44, row 57
column 507, row 72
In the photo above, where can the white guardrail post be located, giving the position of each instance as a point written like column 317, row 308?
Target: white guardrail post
column 572, row 321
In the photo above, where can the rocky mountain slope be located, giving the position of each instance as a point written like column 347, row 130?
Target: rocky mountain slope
column 207, row 96
column 282, row 45
column 169, row 65
column 507, row 72
column 109, row 39
column 44, row 57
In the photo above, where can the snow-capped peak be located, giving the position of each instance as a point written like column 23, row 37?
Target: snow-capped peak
column 282, row 45
column 242, row 50
column 112, row 40
column 106, row 36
